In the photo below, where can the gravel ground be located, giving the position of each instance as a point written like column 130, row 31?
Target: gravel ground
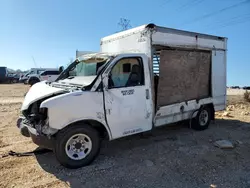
column 171, row 156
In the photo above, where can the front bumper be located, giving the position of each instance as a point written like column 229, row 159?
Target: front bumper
column 39, row 139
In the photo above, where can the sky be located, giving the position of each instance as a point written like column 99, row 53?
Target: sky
column 47, row 33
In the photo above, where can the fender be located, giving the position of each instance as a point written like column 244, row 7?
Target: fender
column 75, row 106
column 103, row 123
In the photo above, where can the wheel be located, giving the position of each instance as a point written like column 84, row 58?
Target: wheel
column 33, row 81
column 202, row 120
column 77, row 146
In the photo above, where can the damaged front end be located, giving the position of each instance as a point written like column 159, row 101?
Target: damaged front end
column 34, row 123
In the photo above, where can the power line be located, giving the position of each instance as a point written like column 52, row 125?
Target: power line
column 165, row 2
column 217, row 12
column 232, row 23
column 232, row 19
column 189, row 4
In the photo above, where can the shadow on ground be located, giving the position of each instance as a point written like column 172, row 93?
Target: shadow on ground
column 120, row 157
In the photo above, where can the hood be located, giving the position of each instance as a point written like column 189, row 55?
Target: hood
column 39, row 91
column 78, row 80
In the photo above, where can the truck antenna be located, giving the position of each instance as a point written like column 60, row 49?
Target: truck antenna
column 34, row 61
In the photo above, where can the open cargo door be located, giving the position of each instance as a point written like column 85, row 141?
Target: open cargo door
column 184, row 75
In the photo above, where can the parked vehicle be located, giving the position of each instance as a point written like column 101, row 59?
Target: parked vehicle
column 235, row 87
column 246, row 87
column 143, row 78
column 49, row 75
column 33, row 71
column 6, row 76
column 13, row 78
column 3, row 74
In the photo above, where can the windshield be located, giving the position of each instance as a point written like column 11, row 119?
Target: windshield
column 40, row 71
column 86, row 66
column 86, row 69
column 30, row 72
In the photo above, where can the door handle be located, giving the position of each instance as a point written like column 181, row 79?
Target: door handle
column 147, row 94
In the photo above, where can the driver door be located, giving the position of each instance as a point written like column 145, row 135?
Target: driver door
column 127, row 102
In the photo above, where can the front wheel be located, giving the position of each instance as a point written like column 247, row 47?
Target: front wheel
column 77, row 146
column 32, row 82
column 202, row 120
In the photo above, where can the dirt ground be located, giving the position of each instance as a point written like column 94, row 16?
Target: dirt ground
column 171, row 156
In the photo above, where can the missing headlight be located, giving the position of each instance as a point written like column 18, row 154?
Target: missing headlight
column 44, row 113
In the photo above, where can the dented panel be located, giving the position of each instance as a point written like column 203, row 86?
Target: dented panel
column 76, row 106
column 179, row 111
column 128, row 109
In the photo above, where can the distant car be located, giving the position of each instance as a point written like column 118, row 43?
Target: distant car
column 235, row 87
column 33, row 71
column 3, row 75
column 7, row 77
column 13, row 78
column 49, row 75
column 246, row 87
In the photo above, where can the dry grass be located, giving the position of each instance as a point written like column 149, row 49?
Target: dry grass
column 247, row 96
column 177, row 156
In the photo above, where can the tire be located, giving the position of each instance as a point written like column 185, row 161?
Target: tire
column 63, row 147
column 33, row 81
column 202, row 120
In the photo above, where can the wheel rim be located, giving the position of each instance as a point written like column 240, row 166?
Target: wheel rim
column 78, row 146
column 203, row 118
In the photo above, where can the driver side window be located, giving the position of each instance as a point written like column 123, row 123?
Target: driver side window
column 127, row 72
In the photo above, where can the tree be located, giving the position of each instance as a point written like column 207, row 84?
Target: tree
column 19, row 71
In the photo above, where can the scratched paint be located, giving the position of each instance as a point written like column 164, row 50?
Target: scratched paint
column 148, row 114
column 100, row 115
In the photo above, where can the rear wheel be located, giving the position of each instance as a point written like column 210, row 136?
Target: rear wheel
column 202, row 120
column 77, row 146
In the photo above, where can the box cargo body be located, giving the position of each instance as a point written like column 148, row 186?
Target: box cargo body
column 187, row 68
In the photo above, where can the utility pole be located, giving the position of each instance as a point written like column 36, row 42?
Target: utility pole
column 124, row 24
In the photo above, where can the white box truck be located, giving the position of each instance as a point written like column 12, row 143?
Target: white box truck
column 143, row 78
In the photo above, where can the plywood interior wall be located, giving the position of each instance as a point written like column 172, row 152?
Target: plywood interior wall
column 184, row 75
